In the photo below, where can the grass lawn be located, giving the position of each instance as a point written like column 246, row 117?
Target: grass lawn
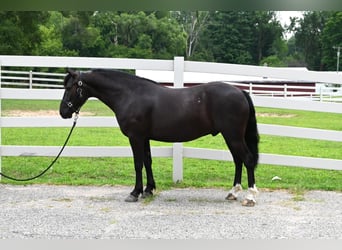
column 197, row 173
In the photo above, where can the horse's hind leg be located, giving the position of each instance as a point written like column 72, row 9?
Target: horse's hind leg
column 237, row 188
column 239, row 150
column 252, row 192
column 149, row 174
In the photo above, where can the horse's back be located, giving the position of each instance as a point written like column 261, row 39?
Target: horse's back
column 223, row 90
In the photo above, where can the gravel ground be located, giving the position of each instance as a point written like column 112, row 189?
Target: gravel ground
column 82, row 212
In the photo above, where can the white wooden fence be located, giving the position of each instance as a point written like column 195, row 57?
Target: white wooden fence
column 321, row 92
column 31, row 79
column 178, row 66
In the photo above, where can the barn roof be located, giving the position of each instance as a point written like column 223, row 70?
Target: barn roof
column 196, row 77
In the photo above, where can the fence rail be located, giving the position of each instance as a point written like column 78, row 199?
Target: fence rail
column 31, row 79
column 177, row 151
column 266, row 129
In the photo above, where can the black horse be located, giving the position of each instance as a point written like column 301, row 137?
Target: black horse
column 146, row 110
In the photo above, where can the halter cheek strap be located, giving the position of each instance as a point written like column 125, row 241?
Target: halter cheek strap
column 80, row 84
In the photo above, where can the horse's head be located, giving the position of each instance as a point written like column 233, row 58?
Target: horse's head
column 75, row 94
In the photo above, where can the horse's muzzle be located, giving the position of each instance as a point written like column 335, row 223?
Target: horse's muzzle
column 66, row 114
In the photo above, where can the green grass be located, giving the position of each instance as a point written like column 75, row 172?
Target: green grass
column 197, row 173
column 298, row 118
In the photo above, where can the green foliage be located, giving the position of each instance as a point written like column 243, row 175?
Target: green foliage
column 193, row 23
column 140, row 35
column 315, row 35
column 332, row 37
column 19, row 31
column 52, row 44
column 273, row 61
column 243, row 37
column 78, row 37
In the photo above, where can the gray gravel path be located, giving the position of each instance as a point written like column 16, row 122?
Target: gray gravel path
column 82, row 212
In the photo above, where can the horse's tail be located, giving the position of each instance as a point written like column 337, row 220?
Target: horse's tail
column 252, row 135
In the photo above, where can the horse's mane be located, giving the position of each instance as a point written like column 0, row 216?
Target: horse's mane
column 117, row 73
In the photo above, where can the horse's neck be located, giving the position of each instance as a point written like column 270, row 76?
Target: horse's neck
column 110, row 93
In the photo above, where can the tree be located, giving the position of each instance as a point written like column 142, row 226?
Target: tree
column 243, row 37
column 332, row 37
column 51, row 44
column 193, row 23
column 228, row 38
column 19, row 31
column 78, row 35
column 308, row 36
column 140, row 34
column 168, row 38
column 268, row 33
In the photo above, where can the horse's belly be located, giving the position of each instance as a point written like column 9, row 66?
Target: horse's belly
column 180, row 133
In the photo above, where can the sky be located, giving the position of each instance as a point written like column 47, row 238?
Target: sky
column 284, row 17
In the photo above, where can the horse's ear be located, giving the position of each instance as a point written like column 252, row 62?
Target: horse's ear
column 71, row 72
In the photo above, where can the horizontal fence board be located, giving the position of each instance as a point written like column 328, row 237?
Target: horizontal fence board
column 301, row 161
column 297, row 104
column 98, row 121
column 85, row 62
column 196, row 153
column 32, row 94
column 272, row 159
column 297, row 132
column 154, row 64
column 56, row 121
column 207, row 154
column 260, row 101
column 79, row 151
column 271, row 72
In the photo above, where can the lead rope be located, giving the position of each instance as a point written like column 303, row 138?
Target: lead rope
column 53, row 162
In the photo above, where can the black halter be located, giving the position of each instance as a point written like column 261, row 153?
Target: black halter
column 79, row 91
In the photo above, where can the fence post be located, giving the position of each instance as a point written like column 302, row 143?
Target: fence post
column 178, row 69
column 178, row 82
column 30, row 79
column 177, row 161
column 0, row 119
column 285, row 90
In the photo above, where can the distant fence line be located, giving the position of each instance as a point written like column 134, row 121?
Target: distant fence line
column 177, row 151
column 32, row 79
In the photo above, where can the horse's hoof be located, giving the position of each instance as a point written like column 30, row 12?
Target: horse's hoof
column 248, row 203
column 146, row 195
column 234, row 193
column 231, row 197
column 131, row 198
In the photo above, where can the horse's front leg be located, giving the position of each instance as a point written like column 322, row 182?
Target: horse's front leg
column 149, row 174
column 137, row 146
